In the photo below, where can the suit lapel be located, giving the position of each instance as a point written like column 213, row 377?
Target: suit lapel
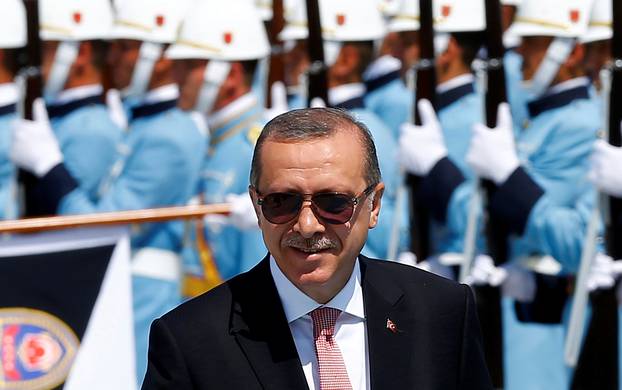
column 391, row 357
column 260, row 328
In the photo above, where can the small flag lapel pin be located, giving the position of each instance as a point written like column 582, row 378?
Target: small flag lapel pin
column 391, row 326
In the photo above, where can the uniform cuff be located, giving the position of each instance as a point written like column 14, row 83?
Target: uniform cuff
column 513, row 200
column 52, row 187
column 549, row 302
column 438, row 186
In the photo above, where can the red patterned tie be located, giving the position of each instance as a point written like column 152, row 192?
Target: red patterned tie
column 333, row 374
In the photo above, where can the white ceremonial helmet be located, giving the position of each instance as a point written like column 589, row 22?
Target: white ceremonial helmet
column 459, row 15
column 407, row 17
column 296, row 26
column 70, row 22
column 155, row 23
column 342, row 21
column 13, row 25
column 554, row 18
column 565, row 20
column 351, row 20
column 264, row 8
column 389, row 8
column 75, row 20
column 452, row 16
column 600, row 26
column 221, row 32
column 148, row 20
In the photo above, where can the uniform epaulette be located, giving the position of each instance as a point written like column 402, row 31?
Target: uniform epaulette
column 253, row 133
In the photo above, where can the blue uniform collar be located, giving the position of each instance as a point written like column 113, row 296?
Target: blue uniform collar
column 352, row 104
column 146, row 110
column 447, row 98
column 8, row 109
column 381, row 81
column 60, row 110
column 557, row 100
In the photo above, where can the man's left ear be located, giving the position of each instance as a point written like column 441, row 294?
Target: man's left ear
column 253, row 194
column 375, row 206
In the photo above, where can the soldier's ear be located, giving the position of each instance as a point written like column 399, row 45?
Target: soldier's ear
column 576, row 57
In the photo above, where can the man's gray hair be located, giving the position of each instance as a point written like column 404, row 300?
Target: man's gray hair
column 311, row 124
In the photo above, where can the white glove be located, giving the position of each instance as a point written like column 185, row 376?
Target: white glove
column 421, row 147
column 433, row 265
column 484, row 272
column 318, row 102
column 407, row 258
column 519, row 284
column 492, row 153
column 115, row 108
column 603, row 272
column 242, row 214
column 278, row 94
column 605, row 170
column 34, row 146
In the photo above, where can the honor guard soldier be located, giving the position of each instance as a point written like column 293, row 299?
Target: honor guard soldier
column 216, row 57
column 543, row 195
column 158, row 132
column 158, row 164
column 386, row 94
column 73, row 59
column 12, row 37
column 436, row 150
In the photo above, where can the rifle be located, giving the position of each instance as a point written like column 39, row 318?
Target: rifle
column 32, row 71
column 31, row 74
column 598, row 362
column 317, row 73
column 425, row 89
column 277, row 65
column 488, row 298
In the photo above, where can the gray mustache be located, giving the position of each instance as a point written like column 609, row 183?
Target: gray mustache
column 313, row 243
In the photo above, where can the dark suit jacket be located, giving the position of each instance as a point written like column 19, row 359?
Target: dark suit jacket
column 236, row 337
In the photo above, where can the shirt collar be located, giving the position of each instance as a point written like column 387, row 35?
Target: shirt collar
column 458, row 81
column 232, row 110
column 342, row 93
column 567, row 85
column 9, row 94
column 382, row 66
column 296, row 304
column 77, row 93
column 161, row 94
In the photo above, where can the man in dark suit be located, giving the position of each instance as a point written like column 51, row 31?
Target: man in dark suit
column 315, row 313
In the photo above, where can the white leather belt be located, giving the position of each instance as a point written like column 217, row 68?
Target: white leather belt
column 157, row 264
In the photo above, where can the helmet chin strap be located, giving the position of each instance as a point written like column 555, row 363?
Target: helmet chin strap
column 215, row 74
column 148, row 55
column 65, row 56
column 331, row 52
column 558, row 52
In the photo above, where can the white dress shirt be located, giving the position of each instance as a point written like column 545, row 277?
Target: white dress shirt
column 350, row 329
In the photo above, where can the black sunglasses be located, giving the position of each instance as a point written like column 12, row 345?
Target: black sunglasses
column 333, row 207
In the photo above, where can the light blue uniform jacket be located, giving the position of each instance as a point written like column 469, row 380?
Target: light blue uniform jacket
column 388, row 98
column 377, row 244
column 548, row 200
column 88, row 139
column 226, row 170
column 8, row 203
